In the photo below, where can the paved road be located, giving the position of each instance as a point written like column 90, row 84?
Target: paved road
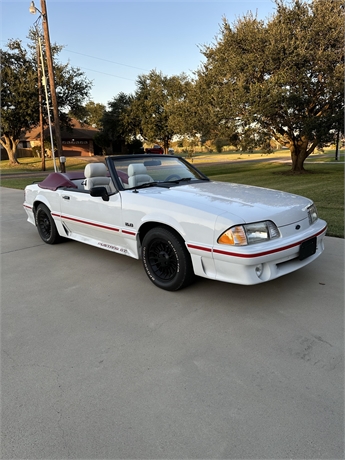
column 99, row 363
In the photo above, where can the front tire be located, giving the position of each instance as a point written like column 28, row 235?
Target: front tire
column 45, row 225
column 166, row 260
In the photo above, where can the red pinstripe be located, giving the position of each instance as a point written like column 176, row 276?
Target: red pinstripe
column 249, row 256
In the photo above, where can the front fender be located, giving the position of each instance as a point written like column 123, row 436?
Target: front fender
column 194, row 226
column 163, row 219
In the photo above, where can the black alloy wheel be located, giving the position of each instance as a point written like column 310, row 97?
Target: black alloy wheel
column 166, row 260
column 45, row 225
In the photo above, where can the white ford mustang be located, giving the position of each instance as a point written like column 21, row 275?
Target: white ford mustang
column 181, row 224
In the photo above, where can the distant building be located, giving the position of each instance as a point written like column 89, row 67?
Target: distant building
column 76, row 141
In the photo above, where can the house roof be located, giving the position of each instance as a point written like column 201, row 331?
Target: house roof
column 79, row 131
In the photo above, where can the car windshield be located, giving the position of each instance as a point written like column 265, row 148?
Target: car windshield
column 139, row 171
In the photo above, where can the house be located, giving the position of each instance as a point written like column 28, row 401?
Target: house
column 76, row 141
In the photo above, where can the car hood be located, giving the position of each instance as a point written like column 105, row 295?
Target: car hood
column 247, row 203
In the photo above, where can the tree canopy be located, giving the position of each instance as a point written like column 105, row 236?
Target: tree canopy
column 91, row 114
column 154, row 106
column 280, row 78
column 283, row 77
column 116, row 123
column 19, row 92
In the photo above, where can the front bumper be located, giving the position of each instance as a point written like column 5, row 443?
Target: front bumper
column 256, row 263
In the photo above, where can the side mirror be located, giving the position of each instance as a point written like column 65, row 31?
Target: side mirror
column 100, row 191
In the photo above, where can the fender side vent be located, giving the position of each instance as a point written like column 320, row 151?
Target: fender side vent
column 66, row 229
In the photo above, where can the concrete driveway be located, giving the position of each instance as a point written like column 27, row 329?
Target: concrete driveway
column 97, row 363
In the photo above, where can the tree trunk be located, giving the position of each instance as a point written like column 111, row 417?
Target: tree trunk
column 299, row 153
column 11, row 148
column 337, row 145
column 166, row 146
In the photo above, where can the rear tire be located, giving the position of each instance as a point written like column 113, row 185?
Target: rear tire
column 45, row 225
column 166, row 260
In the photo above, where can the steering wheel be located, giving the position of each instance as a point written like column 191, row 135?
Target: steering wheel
column 173, row 176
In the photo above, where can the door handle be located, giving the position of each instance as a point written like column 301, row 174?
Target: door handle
column 66, row 197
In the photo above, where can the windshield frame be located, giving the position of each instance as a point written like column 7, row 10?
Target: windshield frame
column 118, row 164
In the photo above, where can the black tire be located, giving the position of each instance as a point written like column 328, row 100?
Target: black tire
column 45, row 225
column 166, row 260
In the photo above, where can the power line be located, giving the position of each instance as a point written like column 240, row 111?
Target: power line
column 104, row 73
column 106, row 60
column 100, row 59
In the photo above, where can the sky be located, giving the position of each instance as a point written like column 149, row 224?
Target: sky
column 113, row 42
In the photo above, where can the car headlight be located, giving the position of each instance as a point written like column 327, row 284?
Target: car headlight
column 241, row 235
column 312, row 213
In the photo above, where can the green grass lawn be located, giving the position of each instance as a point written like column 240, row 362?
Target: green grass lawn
column 30, row 164
column 324, row 183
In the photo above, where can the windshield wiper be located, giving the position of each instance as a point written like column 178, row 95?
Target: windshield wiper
column 149, row 184
column 163, row 184
column 183, row 179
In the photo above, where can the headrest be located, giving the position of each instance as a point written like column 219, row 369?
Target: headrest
column 95, row 170
column 136, row 168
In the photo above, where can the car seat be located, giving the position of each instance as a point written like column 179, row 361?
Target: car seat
column 96, row 176
column 137, row 175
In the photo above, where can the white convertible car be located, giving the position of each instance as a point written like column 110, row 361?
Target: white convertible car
column 162, row 210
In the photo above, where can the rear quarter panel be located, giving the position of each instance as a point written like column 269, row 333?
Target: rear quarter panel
column 34, row 195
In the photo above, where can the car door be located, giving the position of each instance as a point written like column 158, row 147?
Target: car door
column 92, row 220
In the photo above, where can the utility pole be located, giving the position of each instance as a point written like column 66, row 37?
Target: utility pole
column 39, row 72
column 52, row 83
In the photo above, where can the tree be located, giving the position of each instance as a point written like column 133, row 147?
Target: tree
column 155, row 102
column 19, row 100
column 91, row 114
column 19, row 92
column 117, row 124
column 283, row 77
